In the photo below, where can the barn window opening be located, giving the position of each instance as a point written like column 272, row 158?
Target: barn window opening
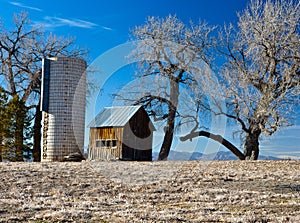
column 106, row 143
column 114, row 143
column 98, row 143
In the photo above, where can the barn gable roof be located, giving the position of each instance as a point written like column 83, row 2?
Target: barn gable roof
column 116, row 116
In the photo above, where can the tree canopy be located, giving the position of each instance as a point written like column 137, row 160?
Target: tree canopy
column 261, row 76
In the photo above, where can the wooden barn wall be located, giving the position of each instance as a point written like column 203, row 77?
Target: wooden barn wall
column 109, row 133
column 137, row 138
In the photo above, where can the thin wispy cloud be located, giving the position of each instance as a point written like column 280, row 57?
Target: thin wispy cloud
column 107, row 28
column 21, row 5
column 57, row 21
column 51, row 22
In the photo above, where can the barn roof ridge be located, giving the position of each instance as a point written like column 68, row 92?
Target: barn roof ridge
column 115, row 116
column 120, row 106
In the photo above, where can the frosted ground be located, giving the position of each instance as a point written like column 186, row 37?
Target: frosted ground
column 194, row 191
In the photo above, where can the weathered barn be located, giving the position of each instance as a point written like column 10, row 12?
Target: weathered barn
column 122, row 132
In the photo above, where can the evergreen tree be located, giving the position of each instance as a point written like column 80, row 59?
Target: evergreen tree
column 12, row 114
column 3, row 121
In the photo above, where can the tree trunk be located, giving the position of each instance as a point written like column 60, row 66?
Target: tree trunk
column 37, row 135
column 251, row 147
column 169, row 133
column 217, row 138
column 1, row 139
column 168, row 138
column 19, row 135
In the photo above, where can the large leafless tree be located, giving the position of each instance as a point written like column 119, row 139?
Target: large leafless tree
column 261, row 78
column 21, row 52
column 167, row 49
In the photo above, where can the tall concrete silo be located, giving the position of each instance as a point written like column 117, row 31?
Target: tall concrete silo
column 63, row 107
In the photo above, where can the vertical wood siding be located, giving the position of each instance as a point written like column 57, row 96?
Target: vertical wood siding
column 100, row 153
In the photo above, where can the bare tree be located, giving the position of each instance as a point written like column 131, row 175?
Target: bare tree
column 167, row 49
column 21, row 52
column 261, row 78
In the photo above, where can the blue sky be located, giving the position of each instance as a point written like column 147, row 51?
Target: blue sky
column 101, row 25
column 104, row 25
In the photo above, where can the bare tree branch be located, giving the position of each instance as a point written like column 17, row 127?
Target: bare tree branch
column 217, row 138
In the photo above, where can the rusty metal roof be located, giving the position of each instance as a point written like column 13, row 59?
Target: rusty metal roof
column 116, row 116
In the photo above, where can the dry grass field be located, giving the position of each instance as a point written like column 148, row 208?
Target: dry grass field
column 190, row 191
